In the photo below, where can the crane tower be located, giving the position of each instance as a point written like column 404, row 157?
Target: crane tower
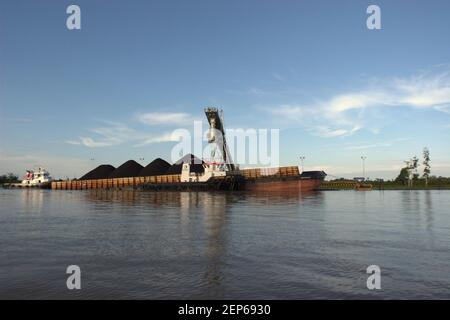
column 217, row 135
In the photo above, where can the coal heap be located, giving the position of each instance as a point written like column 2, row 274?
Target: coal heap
column 155, row 168
column 196, row 165
column 101, row 172
column 129, row 169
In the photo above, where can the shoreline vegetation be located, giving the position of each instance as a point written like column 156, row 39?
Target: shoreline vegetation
column 8, row 178
column 434, row 183
column 408, row 178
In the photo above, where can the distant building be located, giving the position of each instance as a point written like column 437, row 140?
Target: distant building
column 359, row 179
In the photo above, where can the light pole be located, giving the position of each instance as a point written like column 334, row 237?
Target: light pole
column 302, row 159
column 363, row 158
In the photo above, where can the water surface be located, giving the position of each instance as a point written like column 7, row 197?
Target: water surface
column 181, row 245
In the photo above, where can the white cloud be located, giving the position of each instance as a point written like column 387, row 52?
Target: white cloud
column 116, row 133
column 425, row 90
column 346, row 102
column 164, row 118
column 346, row 113
column 91, row 143
column 167, row 137
column 326, row 132
column 113, row 134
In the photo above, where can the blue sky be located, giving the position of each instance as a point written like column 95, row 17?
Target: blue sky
column 335, row 89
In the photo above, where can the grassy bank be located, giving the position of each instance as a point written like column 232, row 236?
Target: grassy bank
column 419, row 184
column 398, row 186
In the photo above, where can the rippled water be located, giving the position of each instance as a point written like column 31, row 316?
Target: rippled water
column 180, row 245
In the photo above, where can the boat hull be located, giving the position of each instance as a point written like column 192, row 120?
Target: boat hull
column 229, row 183
column 42, row 185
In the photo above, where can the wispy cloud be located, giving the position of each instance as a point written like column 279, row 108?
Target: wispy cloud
column 278, row 77
column 110, row 134
column 443, row 108
column 251, row 92
column 345, row 114
column 327, row 132
column 166, row 137
column 116, row 133
column 369, row 146
column 74, row 142
column 164, row 118
column 383, row 144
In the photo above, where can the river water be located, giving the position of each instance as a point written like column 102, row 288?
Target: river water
column 204, row 245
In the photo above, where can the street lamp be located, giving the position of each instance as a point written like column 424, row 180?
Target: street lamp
column 302, row 159
column 363, row 158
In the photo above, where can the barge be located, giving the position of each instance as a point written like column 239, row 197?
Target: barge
column 258, row 179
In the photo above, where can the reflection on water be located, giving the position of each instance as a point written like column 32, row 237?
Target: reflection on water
column 429, row 210
column 32, row 199
column 154, row 245
column 189, row 199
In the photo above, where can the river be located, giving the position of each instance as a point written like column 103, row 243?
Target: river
column 211, row 245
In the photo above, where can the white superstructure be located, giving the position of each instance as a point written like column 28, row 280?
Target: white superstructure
column 36, row 178
column 211, row 170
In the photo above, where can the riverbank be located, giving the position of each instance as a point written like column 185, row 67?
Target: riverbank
column 380, row 185
column 402, row 187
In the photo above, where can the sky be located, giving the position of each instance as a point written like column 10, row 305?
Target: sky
column 137, row 70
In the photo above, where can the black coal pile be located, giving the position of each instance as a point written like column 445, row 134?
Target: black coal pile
column 155, row 168
column 101, row 172
column 129, row 169
column 196, row 165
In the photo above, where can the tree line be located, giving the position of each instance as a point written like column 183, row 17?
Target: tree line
column 410, row 173
column 9, row 178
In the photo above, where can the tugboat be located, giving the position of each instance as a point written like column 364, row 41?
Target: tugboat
column 35, row 179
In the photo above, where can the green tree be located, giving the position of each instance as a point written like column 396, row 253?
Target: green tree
column 403, row 176
column 414, row 164
column 8, row 178
column 426, row 165
column 410, row 171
